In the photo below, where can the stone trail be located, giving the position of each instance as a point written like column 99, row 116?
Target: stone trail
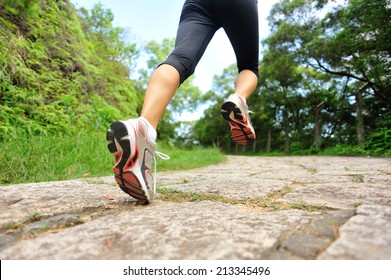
column 245, row 208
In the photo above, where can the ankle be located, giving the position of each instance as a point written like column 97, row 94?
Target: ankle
column 241, row 97
column 150, row 130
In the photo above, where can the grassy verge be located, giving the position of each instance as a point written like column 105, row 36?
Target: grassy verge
column 54, row 157
column 181, row 159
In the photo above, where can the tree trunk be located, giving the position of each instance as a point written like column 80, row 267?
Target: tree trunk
column 317, row 125
column 286, row 131
column 287, row 142
column 269, row 139
column 360, row 118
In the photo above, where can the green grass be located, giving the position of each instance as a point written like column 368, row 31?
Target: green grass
column 56, row 157
column 177, row 196
column 182, row 159
column 53, row 157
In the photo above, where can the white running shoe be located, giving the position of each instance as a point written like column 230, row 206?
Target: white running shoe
column 134, row 156
column 235, row 112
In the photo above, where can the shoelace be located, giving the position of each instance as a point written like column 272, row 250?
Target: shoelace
column 162, row 156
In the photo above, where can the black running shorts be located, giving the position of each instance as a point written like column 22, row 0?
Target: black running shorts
column 199, row 21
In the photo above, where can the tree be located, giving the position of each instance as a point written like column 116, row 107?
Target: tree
column 110, row 43
column 279, row 77
column 320, row 93
column 350, row 41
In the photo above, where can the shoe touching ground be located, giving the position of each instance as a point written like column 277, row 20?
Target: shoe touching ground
column 235, row 112
column 134, row 155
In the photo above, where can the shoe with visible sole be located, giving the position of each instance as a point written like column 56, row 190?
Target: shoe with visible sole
column 134, row 155
column 235, row 112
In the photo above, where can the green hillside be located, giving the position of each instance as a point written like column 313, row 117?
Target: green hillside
column 62, row 70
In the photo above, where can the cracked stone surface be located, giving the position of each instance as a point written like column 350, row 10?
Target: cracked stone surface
column 314, row 208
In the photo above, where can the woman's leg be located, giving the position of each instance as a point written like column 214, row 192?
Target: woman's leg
column 161, row 88
column 240, row 22
column 195, row 31
column 245, row 83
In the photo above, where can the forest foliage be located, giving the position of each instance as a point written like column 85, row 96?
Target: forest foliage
column 325, row 80
column 325, row 77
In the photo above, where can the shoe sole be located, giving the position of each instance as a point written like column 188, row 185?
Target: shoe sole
column 123, row 175
column 241, row 132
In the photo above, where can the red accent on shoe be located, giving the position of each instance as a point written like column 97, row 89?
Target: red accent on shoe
column 117, row 157
column 118, row 180
column 117, row 170
column 131, row 161
column 128, row 176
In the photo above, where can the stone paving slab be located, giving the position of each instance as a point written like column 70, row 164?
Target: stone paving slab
column 366, row 236
column 336, row 196
column 51, row 198
column 202, row 230
column 305, row 208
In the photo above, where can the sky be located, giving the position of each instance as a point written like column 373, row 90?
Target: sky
column 158, row 19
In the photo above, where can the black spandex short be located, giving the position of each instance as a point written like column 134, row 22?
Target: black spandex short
column 199, row 21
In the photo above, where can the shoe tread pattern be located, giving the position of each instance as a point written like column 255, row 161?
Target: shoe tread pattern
column 241, row 133
column 126, row 180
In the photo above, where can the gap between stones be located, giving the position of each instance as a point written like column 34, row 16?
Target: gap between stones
column 265, row 203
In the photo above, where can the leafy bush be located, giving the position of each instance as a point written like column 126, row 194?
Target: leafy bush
column 379, row 142
column 345, row 150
